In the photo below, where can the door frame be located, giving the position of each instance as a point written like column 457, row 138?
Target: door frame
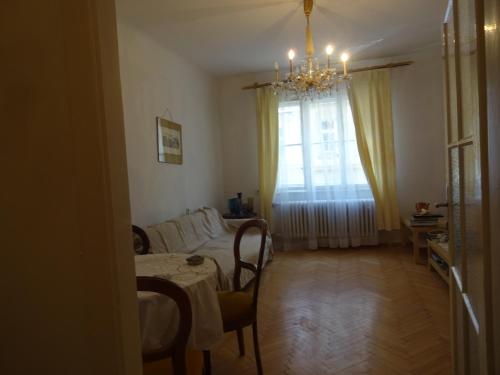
column 460, row 281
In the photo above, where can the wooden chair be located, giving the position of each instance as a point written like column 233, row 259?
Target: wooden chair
column 239, row 307
column 177, row 349
column 140, row 240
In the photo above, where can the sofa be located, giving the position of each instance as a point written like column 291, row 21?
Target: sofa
column 206, row 233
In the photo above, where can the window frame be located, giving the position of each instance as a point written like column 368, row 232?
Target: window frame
column 341, row 142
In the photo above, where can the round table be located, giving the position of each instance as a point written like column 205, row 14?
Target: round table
column 158, row 314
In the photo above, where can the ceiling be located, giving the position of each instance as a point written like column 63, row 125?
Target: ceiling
column 238, row 36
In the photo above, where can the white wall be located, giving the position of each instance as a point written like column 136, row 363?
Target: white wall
column 154, row 78
column 418, row 129
column 419, row 135
column 239, row 135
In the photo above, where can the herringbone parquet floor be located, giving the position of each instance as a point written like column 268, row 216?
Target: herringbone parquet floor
column 355, row 311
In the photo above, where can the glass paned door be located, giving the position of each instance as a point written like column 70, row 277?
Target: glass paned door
column 463, row 34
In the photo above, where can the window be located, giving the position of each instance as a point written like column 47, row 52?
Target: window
column 319, row 158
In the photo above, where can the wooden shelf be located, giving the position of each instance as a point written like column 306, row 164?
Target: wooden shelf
column 440, row 249
column 439, row 270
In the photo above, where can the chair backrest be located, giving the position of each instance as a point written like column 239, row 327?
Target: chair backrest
column 140, row 240
column 240, row 264
column 177, row 349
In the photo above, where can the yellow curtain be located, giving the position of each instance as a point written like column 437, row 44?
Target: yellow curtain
column 268, row 132
column 370, row 99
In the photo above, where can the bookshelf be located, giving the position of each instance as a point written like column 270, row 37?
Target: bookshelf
column 442, row 267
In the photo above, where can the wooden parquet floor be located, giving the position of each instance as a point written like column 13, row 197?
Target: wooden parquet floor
column 354, row 311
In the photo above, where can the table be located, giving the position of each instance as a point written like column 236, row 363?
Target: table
column 158, row 315
column 243, row 215
column 414, row 237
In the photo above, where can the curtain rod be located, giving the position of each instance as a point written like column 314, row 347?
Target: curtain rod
column 375, row 67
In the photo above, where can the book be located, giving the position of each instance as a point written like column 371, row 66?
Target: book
column 426, row 216
column 423, row 223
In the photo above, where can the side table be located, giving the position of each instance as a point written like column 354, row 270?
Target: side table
column 246, row 215
column 412, row 233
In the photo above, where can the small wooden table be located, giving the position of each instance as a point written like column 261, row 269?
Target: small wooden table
column 413, row 235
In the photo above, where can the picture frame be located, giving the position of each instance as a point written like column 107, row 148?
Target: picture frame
column 169, row 139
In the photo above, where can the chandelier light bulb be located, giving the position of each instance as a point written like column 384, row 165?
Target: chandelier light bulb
column 344, row 57
column 291, row 54
column 329, row 49
column 277, row 70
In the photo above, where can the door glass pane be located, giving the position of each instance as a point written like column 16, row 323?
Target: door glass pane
column 472, row 227
column 458, row 330
column 456, row 229
column 452, row 81
column 468, row 67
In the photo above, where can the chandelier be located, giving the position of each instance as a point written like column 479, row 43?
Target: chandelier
column 310, row 80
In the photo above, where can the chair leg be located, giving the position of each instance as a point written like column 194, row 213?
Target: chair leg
column 241, row 341
column 179, row 362
column 207, row 363
column 256, row 348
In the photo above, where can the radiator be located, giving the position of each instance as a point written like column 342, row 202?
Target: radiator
column 350, row 222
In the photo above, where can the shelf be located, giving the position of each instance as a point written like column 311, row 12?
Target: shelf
column 439, row 270
column 440, row 249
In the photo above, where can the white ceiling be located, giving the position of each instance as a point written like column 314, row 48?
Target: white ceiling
column 238, row 36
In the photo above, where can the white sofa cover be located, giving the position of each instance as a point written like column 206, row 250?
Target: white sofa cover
column 206, row 233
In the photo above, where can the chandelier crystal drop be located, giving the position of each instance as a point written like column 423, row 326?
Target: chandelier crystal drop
column 310, row 80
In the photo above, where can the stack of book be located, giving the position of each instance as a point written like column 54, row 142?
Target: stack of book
column 425, row 220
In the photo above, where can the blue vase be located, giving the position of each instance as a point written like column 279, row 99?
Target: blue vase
column 234, row 206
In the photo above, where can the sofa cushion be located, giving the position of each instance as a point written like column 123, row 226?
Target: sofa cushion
column 171, row 236
column 221, row 251
column 213, row 224
column 156, row 242
column 198, row 219
column 192, row 240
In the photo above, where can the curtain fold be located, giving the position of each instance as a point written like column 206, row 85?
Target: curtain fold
column 268, row 141
column 370, row 99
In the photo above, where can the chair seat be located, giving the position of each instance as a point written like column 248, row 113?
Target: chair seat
column 236, row 308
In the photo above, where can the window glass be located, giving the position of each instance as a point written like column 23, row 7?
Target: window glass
column 318, row 149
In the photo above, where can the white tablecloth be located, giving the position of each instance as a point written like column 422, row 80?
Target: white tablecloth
column 158, row 315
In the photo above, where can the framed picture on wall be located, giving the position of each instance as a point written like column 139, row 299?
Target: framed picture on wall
column 169, row 141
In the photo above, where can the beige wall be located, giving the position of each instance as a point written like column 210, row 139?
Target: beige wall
column 154, row 78
column 418, row 129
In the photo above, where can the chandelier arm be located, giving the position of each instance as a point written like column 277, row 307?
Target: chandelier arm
column 376, row 67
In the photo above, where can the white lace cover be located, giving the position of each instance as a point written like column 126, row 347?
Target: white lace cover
column 158, row 315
